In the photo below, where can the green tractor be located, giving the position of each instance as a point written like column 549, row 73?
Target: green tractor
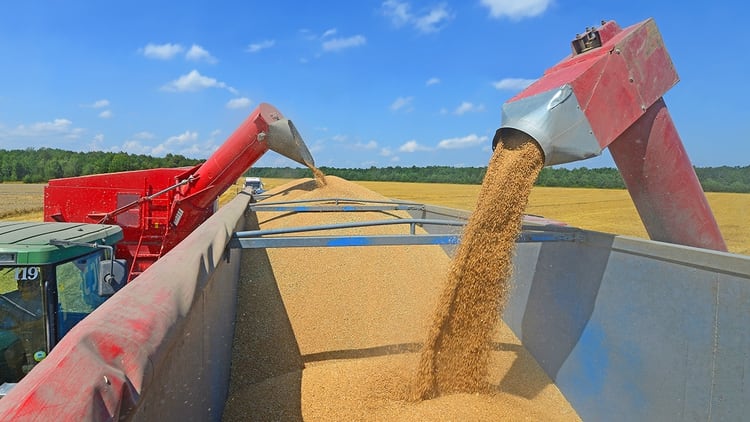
column 52, row 275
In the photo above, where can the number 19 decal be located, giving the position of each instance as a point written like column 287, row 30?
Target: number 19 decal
column 27, row 273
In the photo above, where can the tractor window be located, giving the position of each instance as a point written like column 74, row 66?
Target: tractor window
column 77, row 293
column 22, row 330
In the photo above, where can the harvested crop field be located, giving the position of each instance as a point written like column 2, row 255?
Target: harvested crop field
column 335, row 333
column 605, row 210
column 21, row 200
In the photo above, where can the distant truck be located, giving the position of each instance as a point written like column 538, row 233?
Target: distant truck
column 255, row 184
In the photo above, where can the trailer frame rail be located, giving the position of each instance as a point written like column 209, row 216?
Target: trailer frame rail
column 297, row 237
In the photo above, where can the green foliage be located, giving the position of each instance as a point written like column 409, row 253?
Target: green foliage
column 602, row 178
column 39, row 165
column 724, row 179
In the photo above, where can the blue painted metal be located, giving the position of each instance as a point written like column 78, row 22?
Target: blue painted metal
column 340, row 241
column 338, row 204
column 268, row 238
column 330, row 208
column 412, row 222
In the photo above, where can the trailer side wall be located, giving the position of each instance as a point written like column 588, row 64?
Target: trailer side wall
column 160, row 349
column 632, row 329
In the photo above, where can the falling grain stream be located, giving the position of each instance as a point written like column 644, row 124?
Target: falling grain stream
column 388, row 333
column 456, row 353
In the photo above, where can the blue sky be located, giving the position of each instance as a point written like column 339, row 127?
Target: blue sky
column 367, row 83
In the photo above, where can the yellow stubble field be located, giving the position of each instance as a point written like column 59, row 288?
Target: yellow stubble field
column 606, row 210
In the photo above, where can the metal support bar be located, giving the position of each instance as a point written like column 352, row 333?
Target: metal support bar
column 333, row 208
column 266, row 239
column 338, row 241
column 339, row 204
column 286, row 230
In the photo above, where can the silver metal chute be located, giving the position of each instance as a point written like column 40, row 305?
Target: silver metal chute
column 284, row 139
column 555, row 120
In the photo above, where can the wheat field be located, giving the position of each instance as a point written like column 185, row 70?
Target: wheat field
column 605, row 210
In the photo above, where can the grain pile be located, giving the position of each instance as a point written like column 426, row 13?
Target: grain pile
column 456, row 353
column 329, row 334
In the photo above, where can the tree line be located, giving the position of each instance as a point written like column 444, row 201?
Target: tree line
column 39, row 165
column 713, row 179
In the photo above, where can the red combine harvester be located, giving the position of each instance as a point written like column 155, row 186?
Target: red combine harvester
column 158, row 208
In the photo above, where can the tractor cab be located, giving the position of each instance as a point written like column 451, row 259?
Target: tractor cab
column 52, row 275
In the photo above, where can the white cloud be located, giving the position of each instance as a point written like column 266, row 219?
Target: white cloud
column 397, row 11
column 242, row 102
column 308, row 34
column 100, row 104
column 402, row 103
column 182, row 138
column 329, row 33
column 162, row 51
column 459, row 143
column 144, row 135
column 413, row 146
column 177, row 144
column 256, row 47
column 197, row 150
column 59, row 127
column 135, row 147
column 198, row 53
column 467, row 107
column 106, row 114
column 431, row 20
column 432, row 81
column 339, row 138
column 194, row 81
column 434, row 20
column 368, row 145
column 338, row 44
column 388, row 152
column 515, row 9
column 513, row 84
column 96, row 142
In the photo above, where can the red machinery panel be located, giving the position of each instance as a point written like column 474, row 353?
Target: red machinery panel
column 158, row 208
column 608, row 92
